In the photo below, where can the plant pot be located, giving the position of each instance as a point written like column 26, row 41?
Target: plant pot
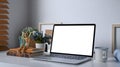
column 39, row 45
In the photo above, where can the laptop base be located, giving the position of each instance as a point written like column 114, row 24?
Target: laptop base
column 62, row 60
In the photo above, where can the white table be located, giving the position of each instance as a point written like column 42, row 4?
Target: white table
column 10, row 61
column 10, row 65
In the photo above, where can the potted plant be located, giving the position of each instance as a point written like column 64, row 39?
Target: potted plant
column 26, row 33
column 39, row 39
column 33, row 34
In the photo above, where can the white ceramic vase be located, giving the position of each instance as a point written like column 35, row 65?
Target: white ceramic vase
column 39, row 45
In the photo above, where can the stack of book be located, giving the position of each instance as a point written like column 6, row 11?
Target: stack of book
column 30, row 52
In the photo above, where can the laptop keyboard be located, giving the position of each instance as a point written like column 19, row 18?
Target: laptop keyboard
column 67, row 56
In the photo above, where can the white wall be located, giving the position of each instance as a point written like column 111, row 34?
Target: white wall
column 102, row 12
column 18, row 20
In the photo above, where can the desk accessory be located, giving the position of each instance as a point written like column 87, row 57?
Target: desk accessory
column 101, row 54
column 117, row 54
column 115, row 37
column 30, row 52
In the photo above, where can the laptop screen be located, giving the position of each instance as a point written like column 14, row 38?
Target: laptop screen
column 76, row 39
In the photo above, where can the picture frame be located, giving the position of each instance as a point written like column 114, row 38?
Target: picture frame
column 47, row 27
column 115, row 36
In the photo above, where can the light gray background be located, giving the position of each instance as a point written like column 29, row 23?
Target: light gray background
column 103, row 13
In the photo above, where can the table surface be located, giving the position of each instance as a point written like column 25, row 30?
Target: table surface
column 10, row 61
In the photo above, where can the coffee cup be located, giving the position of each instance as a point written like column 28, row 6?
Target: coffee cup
column 47, row 49
column 100, row 54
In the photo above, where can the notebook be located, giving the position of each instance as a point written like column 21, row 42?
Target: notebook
column 71, row 43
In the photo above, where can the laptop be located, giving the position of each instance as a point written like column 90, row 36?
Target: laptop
column 71, row 43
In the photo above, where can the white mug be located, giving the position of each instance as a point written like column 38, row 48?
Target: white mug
column 100, row 54
column 47, row 49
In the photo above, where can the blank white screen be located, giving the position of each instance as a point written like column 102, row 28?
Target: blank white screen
column 73, row 39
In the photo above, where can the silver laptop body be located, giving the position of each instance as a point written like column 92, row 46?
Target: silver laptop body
column 71, row 43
